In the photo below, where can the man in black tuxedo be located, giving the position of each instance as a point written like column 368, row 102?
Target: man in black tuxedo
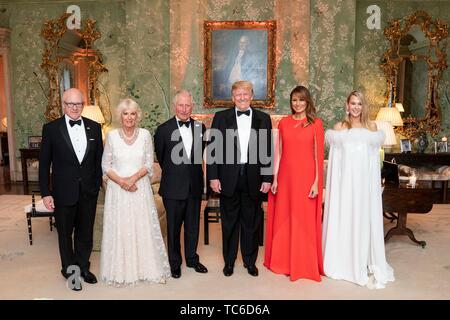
column 179, row 148
column 239, row 159
column 72, row 146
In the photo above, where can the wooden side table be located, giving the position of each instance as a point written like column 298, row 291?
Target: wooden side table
column 26, row 154
column 402, row 200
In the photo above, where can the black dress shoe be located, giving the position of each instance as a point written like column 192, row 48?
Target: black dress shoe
column 199, row 268
column 252, row 270
column 88, row 277
column 176, row 273
column 228, row 270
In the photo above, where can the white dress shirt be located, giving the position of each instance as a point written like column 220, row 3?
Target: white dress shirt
column 78, row 138
column 186, row 136
column 244, row 124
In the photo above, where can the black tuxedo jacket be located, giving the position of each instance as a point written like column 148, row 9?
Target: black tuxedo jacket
column 67, row 173
column 260, row 150
column 181, row 176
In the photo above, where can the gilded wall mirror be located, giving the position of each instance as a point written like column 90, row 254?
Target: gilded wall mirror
column 413, row 66
column 70, row 60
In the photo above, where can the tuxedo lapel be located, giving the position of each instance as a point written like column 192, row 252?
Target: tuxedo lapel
column 256, row 124
column 193, row 138
column 88, row 132
column 232, row 124
column 256, row 121
column 231, row 119
column 65, row 135
column 173, row 127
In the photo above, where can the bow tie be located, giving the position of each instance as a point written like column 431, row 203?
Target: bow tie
column 240, row 113
column 182, row 123
column 74, row 122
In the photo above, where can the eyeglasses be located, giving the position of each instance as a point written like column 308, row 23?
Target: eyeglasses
column 74, row 105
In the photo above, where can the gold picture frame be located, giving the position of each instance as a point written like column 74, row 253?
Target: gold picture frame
column 239, row 50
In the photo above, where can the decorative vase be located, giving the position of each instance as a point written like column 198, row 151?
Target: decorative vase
column 422, row 142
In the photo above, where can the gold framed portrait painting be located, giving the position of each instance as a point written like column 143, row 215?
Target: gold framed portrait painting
column 239, row 50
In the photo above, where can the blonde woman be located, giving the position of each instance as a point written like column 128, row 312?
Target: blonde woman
column 353, row 238
column 132, row 245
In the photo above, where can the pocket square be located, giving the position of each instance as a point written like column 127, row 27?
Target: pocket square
column 92, row 139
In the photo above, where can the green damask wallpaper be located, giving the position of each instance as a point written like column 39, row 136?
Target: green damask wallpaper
column 147, row 59
column 332, row 56
column 154, row 47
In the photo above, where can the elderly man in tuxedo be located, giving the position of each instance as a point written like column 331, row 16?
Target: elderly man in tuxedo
column 239, row 168
column 179, row 146
column 72, row 147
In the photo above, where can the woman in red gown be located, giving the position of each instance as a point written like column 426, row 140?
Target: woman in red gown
column 294, row 212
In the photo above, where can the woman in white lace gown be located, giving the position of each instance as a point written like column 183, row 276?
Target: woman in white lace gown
column 132, row 245
column 353, row 237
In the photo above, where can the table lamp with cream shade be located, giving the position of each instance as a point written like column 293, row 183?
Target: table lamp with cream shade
column 94, row 113
column 399, row 107
column 388, row 130
column 391, row 115
column 390, row 138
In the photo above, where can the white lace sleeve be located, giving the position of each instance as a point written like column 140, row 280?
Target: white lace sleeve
column 107, row 158
column 148, row 154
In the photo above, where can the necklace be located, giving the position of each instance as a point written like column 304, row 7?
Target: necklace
column 129, row 140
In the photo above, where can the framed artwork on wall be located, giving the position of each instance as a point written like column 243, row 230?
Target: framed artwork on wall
column 239, row 50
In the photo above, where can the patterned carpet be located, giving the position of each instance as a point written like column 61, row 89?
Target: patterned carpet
column 32, row 272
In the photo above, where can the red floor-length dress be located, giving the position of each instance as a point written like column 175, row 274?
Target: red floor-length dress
column 294, row 221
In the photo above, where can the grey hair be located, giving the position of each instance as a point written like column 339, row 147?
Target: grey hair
column 180, row 92
column 130, row 104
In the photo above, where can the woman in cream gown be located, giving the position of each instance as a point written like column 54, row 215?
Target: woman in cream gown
column 132, row 245
column 353, row 237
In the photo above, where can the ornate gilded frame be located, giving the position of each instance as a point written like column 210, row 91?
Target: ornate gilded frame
column 211, row 101
column 52, row 31
column 436, row 31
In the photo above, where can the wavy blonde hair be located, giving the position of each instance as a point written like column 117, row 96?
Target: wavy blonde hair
column 128, row 104
column 364, row 117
